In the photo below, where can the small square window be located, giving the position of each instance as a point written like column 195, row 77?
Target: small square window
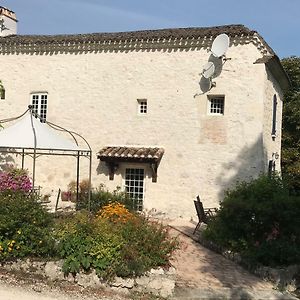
column 216, row 105
column 142, row 106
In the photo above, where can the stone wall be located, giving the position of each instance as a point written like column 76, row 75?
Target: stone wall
column 95, row 94
column 157, row 281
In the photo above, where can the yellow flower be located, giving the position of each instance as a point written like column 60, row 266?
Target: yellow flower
column 19, row 231
column 115, row 212
column 11, row 243
column 1, row 248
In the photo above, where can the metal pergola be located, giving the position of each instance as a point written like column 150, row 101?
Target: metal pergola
column 34, row 149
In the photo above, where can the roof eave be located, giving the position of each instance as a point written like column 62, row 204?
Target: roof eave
column 274, row 65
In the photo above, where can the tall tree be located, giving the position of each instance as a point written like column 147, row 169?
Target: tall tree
column 291, row 125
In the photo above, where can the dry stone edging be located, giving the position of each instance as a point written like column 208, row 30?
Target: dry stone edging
column 158, row 281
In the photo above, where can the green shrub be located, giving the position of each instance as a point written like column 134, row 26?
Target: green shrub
column 86, row 244
column 101, row 197
column 147, row 245
column 260, row 220
column 25, row 227
column 112, row 246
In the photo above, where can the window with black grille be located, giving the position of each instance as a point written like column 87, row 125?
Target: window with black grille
column 134, row 186
column 216, row 105
column 142, row 106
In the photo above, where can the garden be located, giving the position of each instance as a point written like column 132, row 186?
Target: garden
column 260, row 221
column 110, row 239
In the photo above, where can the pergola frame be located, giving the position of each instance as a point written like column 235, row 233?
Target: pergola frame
column 36, row 152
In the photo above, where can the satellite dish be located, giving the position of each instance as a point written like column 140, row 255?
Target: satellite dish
column 220, row 45
column 208, row 70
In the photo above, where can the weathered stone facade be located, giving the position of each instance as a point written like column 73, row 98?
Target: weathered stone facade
column 93, row 88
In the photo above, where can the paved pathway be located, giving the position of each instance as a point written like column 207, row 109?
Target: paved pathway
column 204, row 274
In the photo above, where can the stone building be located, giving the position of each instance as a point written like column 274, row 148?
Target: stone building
column 157, row 127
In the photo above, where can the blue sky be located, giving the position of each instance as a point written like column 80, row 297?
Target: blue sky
column 278, row 21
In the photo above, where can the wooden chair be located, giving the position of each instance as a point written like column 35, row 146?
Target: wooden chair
column 204, row 214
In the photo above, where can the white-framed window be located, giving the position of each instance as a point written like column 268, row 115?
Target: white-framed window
column 39, row 102
column 216, row 105
column 142, row 106
column 135, row 185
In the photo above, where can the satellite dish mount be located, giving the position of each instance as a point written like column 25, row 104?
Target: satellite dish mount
column 208, row 72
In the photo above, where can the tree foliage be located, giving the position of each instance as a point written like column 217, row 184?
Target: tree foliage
column 291, row 125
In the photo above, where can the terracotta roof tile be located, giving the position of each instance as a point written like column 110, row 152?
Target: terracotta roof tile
column 131, row 153
column 174, row 33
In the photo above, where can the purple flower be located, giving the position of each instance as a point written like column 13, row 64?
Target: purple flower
column 14, row 179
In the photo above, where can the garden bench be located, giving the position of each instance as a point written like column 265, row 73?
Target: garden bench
column 204, row 214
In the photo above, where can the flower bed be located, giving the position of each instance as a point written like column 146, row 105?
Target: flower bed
column 111, row 244
column 114, row 242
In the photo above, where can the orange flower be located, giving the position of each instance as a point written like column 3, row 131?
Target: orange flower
column 115, row 212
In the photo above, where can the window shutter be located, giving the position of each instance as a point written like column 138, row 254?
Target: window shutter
column 274, row 116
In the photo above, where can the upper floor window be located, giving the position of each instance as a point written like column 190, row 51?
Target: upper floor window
column 142, row 106
column 274, row 117
column 39, row 102
column 216, row 105
column 2, row 91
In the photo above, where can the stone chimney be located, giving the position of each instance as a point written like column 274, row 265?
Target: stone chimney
column 8, row 22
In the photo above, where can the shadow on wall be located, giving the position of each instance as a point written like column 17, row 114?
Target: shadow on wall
column 218, row 63
column 249, row 163
column 6, row 160
column 102, row 168
column 206, row 83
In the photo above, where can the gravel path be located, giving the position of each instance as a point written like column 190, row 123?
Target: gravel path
column 17, row 287
column 15, row 293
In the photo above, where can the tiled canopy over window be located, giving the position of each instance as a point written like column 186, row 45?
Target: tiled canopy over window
column 115, row 155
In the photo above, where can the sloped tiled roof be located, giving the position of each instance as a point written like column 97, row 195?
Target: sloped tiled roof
column 274, row 65
column 174, row 33
column 123, row 153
